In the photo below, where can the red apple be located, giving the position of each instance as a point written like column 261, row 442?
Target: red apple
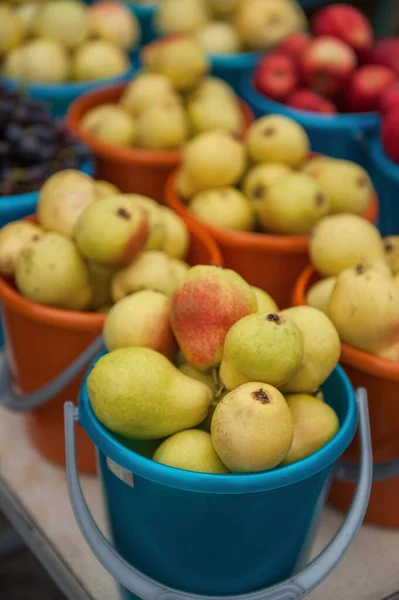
column 346, row 23
column 385, row 52
column 367, row 87
column 390, row 134
column 390, row 98
column 327, row 64
column 294, row 45
column 276, row 76
column 312, row 102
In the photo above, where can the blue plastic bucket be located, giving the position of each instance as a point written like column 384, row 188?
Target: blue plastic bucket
column 145, row 15
column 385, row 175
column 232, row 67
column 340, row 136
column 214, row 534
column 60, row 96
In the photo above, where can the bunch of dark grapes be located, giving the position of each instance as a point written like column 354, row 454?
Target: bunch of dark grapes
column 33, row 145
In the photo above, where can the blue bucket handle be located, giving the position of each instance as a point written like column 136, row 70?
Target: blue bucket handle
column 293, row 588
column 17, row 402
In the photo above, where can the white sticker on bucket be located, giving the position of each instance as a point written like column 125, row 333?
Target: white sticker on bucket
column 120, row 472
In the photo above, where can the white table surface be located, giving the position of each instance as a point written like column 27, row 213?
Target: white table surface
column 34, row 497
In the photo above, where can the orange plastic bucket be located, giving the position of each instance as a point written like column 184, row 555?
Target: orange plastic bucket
column 132, row 170
column 41, row 342
column 270, row 262
column 380, row 377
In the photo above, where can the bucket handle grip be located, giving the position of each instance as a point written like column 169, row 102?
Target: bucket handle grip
column 17, row 402
column 293, row 588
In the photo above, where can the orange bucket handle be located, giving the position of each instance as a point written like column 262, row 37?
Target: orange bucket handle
column 14, row 401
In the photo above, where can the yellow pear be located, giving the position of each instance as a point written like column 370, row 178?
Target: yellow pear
column 177, row 238
column 277, row 139
column 259, row 179
column 155, row 218
column 391, row 246
column 13, row 237
column 223, row 207
column 266, row 304
column 144, row 91
column 100, row 282
column 150, row 271
column 320, row 293
column 103, row 189
column 179, row 270
column 194, row 373
column 111, row 124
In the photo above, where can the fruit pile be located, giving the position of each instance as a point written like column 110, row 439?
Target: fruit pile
column 267, row 182
column 172, row 100
column 92, row 245
column 65, row 40
column 242, row 395
column 359, row 290
column 32, row 145
column 231, row 26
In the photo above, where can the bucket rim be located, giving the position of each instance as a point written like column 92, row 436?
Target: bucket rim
column 157, row 158
column 336, row 122
column 382, row 160
column 235, row 61
column 221, row 484
column 350, row 356
column 288, row 244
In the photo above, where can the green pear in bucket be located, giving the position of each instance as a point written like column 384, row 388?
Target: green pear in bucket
column 13, row 238
column 319, row 294
column 139, row 394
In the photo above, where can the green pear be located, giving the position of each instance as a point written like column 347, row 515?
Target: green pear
column 219, row 37
column 186, row 187
column 194, row 373
column 190, row 450
column 110, row 124
column 339, row 242
column 102, row 189
column 155, row 218
column 391, row 246
column 63, row 199
column 177, row 237
column 213, row 112
column 180, row 16
column 321, row 348
column 277, row 139
column 314, row 165
column 223, row 207
column 163, row 126
column 266, row 304
column 260, row 177
column 100, row 282
column 364, row 308
column 179, row 270
column 252, row 428
column 144, row 91
column 214, row 159
column 261, row 347
column 13, row 237
column 315, row 424
column 292, row 205
column 111, row 231
column 141, row 319
column 138, row 393
column 150, row 271
column 65, row 21
column 213, row 87
column 346, row 185
column 320, row 293
column 50, row 271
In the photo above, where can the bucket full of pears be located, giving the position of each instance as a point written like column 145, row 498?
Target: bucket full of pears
column 219, row 453
column 61, row 270
column 354, row 279
column 260, row 196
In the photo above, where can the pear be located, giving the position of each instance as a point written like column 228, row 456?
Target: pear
column 259, row 178
column 114, row 22
column 391, row 247
column 40, row 60
column 153, row 213
column 320, row 293
column 213, row 87
column 100, row 283
column 180, row 16
column 104, row 309
column 207, row 422
column 98, row 59
column 13, row 237
column 177, row 237
column 266, row 304
column 315, row 164
column 191, row 450
column 214, row 112
column 111, row 124
column 215, row 159
column 223, row 8
column 315, row 424
column 186, row 186
column 26, row 14
column 102, row 189
column 204, row 308
column 277, row 139
column 342, row 241
column 150, row 271
column 111, row 231
column 138, row 393
column 252, row 428
column 321, row 348
column 223, row 207
column 145, row 91
column 65, row 21
column 206, row 378
column 163, row 126
column 347, row 186
column 50, row 271
column 180, row 58
column 364, row 308
column 179, row 270
column 293, row 205
column 219, row 37
column 261, row 347
column 62, row 200
column 12, row 29
column 141, row 319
